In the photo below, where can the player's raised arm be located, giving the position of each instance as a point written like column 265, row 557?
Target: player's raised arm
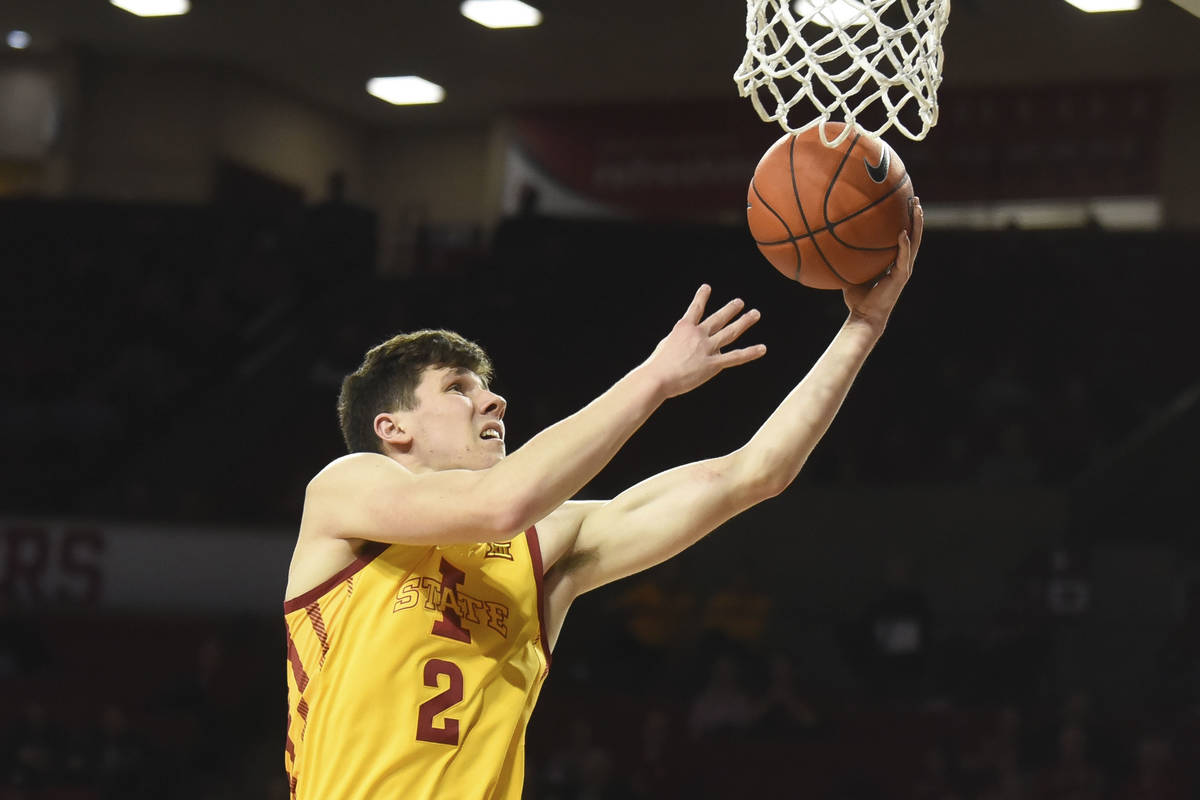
column 415, row 494
column 595, row 543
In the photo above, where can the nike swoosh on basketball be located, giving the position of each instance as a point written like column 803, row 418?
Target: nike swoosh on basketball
column 878, row 172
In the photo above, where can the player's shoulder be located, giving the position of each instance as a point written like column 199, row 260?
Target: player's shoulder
column 342, row 486
column 356, row 466
column 352, row 475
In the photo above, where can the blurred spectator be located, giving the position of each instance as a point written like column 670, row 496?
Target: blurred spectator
column 1005, row 393
column 597, row 779
column 898, row 632
column 998, row 765
column 118, row 758
column 1177, row 665
column 658, row 770
column 194, row 690
column 722, row 706
column 736, row 615
column 1072, row 774
column 1075, row 434
column 1014, row 660
column 1008, row 784
column 33, row 750
column 338, row 238
column 1010, row 460
column 573, row 764
column 1156, row 775
column 783, row 710
column 659, row 608
column 23, row 652
column 937, row 779
column 195, row 705
column 1076, row 709
column 338, row 355
column 529, row 200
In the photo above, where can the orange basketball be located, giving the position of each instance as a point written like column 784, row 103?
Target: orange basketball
column 828, row 217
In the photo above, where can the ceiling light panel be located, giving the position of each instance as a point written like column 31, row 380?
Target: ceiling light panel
column 154, row 8
column 1102, row 6
column 501, row 13
column 405, row 90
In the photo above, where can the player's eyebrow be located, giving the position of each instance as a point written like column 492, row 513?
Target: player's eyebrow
column 463, row 372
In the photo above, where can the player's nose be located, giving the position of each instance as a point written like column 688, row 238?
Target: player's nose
column 493, row 405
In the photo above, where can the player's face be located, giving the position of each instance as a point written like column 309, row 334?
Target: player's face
column 456, row 423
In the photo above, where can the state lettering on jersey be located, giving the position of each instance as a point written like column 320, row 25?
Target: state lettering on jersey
column 432, row 595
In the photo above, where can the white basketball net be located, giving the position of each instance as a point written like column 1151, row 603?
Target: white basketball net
column 844, row 56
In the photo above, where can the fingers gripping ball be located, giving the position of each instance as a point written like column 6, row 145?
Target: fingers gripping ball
column 829, row 217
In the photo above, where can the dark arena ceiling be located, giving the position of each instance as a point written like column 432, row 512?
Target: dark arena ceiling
column 583, row 53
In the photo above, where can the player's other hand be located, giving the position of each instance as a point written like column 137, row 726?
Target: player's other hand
column 873, row 304
column 693, row 351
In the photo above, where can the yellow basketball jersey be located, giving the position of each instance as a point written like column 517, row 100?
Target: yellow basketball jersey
column 412, row 673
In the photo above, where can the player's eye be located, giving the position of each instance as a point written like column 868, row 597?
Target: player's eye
column 454, row 387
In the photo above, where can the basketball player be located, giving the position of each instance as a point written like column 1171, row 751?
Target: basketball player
column 432, row 573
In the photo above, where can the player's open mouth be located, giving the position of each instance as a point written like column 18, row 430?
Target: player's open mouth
column 492, row 433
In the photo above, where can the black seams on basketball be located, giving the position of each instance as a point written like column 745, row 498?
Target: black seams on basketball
column 829, row 217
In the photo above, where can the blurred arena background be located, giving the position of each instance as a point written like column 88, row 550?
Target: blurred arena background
column 983, row 585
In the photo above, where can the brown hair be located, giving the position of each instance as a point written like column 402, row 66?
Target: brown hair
column 388, row 377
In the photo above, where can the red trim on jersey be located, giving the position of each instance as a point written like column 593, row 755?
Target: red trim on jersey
column 297, row 667
column 289, row 747
column 535, row 555
column 313, row 610
column 370, row 551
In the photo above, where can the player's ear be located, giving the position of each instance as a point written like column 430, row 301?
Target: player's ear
column 389, row 429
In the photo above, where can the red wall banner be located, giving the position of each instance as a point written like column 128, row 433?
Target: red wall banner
column 694, row 161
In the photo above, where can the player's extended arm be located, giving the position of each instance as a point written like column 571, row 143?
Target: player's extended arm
column 662, row 515
column 369, row 496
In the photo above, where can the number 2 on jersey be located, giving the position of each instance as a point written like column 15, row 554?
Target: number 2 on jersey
column 449, row 627
column 427, row 730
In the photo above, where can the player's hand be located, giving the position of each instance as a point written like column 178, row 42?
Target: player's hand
column 873, row 304
column 692, row 352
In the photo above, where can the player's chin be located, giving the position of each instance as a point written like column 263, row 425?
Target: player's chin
column 493, row 457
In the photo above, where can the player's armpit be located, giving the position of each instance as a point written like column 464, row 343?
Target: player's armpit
column 652, row 521
column 369, row 496
column 558, row 532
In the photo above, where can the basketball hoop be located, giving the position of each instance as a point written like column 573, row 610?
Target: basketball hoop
column 845, row 56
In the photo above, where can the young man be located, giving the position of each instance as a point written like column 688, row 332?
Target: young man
column 432, row 573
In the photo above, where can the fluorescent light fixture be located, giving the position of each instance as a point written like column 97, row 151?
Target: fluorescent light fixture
column 405, row 90
column 501, row 13
column 1190, row 6
column 154, row 8
column 18, row 40
column 1101, row 6
column 840, row 13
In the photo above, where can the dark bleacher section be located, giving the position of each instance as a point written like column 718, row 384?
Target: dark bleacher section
column 139, row 706
column 153, row 707
column 143, row 333
column 181, row 365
